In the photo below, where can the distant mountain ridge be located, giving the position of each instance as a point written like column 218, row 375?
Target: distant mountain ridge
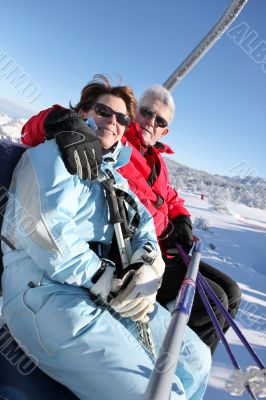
column 11, row 128
column 247, row 190
column 14, row 110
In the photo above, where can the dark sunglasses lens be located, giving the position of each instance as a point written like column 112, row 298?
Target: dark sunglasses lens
column 103, row 110
column 123, row 119
column 145, row 112
column 159, row 121
column 107, row 112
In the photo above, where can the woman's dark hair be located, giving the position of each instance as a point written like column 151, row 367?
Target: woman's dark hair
column 100, row 86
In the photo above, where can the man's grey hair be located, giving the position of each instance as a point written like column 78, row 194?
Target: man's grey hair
column 158, row 92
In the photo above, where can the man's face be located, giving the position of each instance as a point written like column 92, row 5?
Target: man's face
column 153, row 117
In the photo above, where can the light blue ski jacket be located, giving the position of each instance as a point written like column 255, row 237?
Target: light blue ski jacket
column 50, row 218
column 54, row 214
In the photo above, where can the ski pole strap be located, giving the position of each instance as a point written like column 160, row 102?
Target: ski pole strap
column 127, row 198
column 116, row 198
column 127, row 232
column 115, row 216
column 7, row 242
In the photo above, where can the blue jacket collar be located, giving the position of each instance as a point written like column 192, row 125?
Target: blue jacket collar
column 119, row 157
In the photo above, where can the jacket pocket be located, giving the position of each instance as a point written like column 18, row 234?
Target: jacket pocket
column 60, row 316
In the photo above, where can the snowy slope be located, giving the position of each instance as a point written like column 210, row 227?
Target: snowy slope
column 11, row 128
column 239, row 238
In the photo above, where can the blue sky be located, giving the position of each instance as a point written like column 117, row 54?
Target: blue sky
column 220, row 121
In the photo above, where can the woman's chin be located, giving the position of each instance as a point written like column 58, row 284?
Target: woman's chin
column 107, row 144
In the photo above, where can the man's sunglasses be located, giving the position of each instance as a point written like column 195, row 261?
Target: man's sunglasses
column 106, row 112
column 148, row 113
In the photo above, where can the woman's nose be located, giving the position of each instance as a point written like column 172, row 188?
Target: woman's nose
column 112, row 119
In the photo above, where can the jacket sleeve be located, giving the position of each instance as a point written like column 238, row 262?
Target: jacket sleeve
column 45, row 205
column 174, row 202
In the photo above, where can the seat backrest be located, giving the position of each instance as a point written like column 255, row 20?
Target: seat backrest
column 10, row 154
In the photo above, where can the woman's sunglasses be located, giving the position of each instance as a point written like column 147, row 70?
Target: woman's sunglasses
column 148, row 113
column 106, row 112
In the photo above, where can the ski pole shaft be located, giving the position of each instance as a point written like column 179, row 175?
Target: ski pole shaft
column 232, row 323
column 125, row 253
column 225, row 313
column 221, row 334
column 206, row 43
column 200, row 284
column 161, row 380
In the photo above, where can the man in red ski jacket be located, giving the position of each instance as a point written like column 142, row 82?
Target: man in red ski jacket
column 148, row 178
column 172, row 220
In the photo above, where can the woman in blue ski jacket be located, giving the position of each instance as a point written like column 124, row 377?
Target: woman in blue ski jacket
column 62, row 299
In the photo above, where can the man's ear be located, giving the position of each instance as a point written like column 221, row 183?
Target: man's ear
column 165, row 132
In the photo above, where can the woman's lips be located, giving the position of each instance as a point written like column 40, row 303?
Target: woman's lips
column 106, row 131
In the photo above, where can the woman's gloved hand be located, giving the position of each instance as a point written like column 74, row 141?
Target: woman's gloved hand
column 137, row 294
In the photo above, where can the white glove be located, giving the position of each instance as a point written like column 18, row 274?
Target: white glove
column 148, row 255
column 103, row 278
column 106, row 284
column 137, row 299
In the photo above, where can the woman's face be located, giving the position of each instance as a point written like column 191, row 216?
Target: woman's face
column 109, row 130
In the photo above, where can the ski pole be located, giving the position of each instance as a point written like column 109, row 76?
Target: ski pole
column 225, row 313
column 206, row 43
column 125, row 251
column 221, row 335
column 161, row 380
column 247, row 381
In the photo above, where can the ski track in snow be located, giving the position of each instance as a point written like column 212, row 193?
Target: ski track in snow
column 238, row 240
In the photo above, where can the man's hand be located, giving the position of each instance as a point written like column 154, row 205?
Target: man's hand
column 79, row 146
column 81, row 153
column 179, row 230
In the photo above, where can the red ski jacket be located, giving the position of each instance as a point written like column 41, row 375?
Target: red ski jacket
column 148, row 177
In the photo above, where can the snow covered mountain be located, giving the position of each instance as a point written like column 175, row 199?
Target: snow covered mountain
column 14, row 110
column 11, row 128
column 248, row 190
